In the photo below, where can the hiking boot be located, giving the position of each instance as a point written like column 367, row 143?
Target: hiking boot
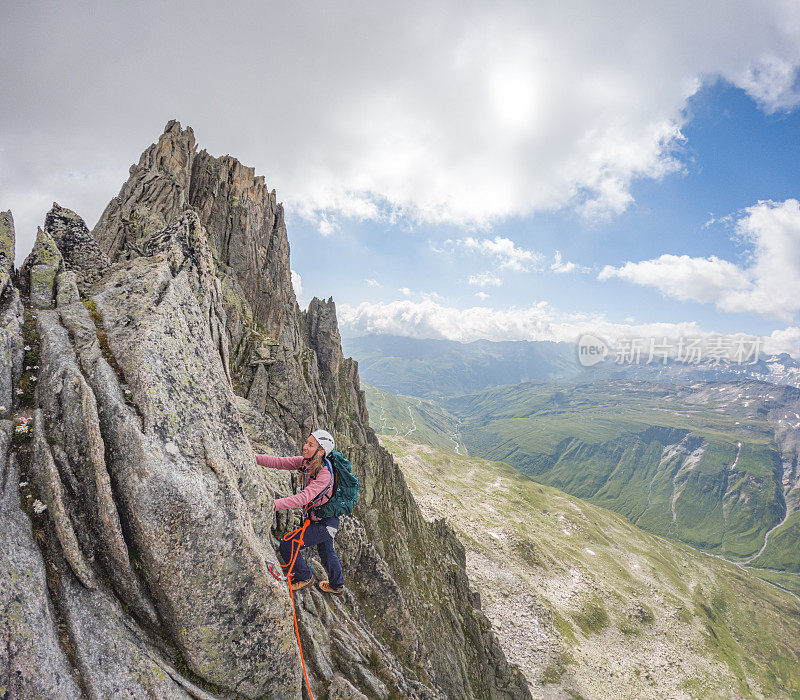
column 297, row 585
column 325, row 587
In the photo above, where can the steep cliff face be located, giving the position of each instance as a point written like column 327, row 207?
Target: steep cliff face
column 139, row 373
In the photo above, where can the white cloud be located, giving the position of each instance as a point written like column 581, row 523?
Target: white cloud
column 430, row 319
column 297, row 284
column 441, row 112
column 772, row 82
column 405, row 291
column 682, row 276
column 783, row 340
column 373, row 283
column 773, row 229
column 326, row 224
column 485, row 279
column 505, row 252
column 482, row 295
column 768, row 286
column 561, row 266
column 713, row 220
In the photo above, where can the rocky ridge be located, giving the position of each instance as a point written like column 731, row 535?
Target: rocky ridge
column 142, row 365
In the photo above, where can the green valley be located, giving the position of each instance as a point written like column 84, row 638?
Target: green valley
column 712, row 464
column 421, row 420
column 698, row 463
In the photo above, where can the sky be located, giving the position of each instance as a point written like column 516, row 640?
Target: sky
column 451, row 170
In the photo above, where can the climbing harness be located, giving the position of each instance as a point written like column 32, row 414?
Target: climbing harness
column 297, row 543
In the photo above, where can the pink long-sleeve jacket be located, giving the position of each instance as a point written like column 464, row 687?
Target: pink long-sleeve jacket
column 312, row 488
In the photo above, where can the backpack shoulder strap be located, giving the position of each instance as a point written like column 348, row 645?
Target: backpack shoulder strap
column 327, row 464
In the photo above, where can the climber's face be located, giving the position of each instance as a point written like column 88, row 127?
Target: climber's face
column 310, row 448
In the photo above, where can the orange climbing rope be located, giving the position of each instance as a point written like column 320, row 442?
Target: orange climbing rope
column 297, row 543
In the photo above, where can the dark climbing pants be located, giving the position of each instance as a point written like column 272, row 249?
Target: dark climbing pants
column 319, row 533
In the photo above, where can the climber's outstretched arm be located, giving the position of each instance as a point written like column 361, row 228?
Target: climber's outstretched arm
column 280, row 462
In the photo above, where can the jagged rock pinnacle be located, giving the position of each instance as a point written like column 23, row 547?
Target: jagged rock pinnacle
column 7, row 242
column 243, row 220
column 80, row 251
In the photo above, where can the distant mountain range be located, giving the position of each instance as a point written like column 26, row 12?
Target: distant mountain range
column 435, row 368
column 774, row 369
column 704, row 453
column 438, row 368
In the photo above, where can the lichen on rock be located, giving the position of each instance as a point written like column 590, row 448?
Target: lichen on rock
column 38, row 273
column 80, row 251
column 7, row 241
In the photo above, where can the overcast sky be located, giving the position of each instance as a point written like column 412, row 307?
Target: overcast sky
column 502, row 170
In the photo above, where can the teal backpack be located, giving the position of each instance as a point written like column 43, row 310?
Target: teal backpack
column 345, row 489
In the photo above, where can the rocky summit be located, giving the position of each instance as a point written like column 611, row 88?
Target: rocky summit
column 143, row 365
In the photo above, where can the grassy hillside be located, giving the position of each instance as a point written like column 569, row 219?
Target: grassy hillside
column 783, row 548
column 697, row 463
column 589, row 604
column 785, row 579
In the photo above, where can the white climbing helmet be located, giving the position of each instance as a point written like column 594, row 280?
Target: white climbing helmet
column 325, row 440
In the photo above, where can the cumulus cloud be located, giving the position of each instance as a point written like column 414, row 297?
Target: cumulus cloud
column 482, row 295
column 405, row 291
column 326, row 224
column 682, row 277
column 441, row 112
column 431, row 319
column 485, row 279
column 773, row 82
column 783, row 340
column 560, row 265
column 769, row 285
column 505, row 252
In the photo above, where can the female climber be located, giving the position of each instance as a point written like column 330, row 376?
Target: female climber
column 318, row 487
